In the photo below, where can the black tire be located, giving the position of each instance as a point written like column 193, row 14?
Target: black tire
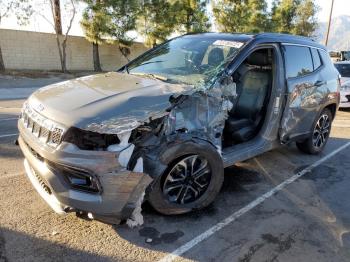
column 161, row 200
column 320, row 134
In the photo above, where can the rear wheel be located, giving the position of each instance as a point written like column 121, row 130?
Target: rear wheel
column 319, row 137
column 191, row 181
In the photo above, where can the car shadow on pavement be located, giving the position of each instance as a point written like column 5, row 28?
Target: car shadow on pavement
column 164, row 233
column 17, row 246
column 243, row 183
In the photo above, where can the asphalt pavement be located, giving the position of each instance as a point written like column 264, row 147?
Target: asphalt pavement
column 253, row 219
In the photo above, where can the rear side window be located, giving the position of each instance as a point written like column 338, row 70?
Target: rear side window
column 316, row 58
column 298, row 60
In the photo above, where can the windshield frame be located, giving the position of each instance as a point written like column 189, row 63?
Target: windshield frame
column 221, row 67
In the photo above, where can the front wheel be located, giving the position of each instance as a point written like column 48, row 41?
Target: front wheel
column 319, row 137
column 191, row 181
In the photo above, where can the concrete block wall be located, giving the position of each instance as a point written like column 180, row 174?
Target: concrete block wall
column 38, row 51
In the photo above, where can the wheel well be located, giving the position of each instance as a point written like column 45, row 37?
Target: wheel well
column 332, row 108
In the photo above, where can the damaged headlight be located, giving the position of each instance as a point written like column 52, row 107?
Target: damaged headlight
column 88, row 140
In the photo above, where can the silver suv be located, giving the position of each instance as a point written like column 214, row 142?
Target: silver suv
column 164, row 126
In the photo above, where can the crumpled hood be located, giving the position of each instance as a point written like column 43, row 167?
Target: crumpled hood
column 98, row 98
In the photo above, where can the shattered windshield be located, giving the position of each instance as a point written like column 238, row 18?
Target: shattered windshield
column 186, row 60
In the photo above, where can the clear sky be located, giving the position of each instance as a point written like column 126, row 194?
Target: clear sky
column 38, row 23
column 341, row 7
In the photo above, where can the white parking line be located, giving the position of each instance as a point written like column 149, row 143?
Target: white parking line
column 1, row 136
column 8, row 119
column 198, row 239
column 341, row 125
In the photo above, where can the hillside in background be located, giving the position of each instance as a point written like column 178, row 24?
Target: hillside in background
column 339, row 36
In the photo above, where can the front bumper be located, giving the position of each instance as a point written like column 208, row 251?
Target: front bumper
column 120, row 188
column 344, row 98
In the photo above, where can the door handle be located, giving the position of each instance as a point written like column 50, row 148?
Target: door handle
column 319, row 83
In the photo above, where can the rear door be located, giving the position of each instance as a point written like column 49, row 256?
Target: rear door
column 303, row 99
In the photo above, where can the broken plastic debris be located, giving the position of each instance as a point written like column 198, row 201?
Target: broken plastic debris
column 124, row 148
column 139, row 165
column 54, row 233
column 125, row 155
column 227, row 105
column 149, row 240
column 136, row 218
column 124, row 142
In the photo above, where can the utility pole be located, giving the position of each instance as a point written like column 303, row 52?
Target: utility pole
column 57, row 16
column 329, row 23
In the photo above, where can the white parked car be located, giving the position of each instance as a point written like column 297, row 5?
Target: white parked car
column 344, row 70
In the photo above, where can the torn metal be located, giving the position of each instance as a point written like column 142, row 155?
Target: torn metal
column 136, row 218
column 136, row 132
column 202, row 115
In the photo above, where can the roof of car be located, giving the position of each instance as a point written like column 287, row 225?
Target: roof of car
column 226, row 36
column 287, row 38
column 266, row 37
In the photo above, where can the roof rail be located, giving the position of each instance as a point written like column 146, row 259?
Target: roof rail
column 284, row 36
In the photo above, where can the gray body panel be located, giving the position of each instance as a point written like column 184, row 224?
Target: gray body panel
column 117, row 103
column 121, row 188
column 96, row 98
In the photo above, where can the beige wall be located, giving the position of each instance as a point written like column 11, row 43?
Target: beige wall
column 38, row 51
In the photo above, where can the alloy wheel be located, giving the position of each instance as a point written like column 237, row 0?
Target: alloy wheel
column 321, row 131
column 187, row 180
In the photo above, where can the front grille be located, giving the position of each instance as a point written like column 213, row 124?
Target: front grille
column 56, row 135
column 41, row 182
column 42, row 128
column 34, row 153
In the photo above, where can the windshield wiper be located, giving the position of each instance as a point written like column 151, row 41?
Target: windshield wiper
column 151, row 62
column 155, row 76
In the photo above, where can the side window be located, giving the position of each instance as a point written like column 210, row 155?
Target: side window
column 316, row 58
column 298, row 60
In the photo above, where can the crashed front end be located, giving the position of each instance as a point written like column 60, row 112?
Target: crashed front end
column 72, row 178
column 104, row 169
